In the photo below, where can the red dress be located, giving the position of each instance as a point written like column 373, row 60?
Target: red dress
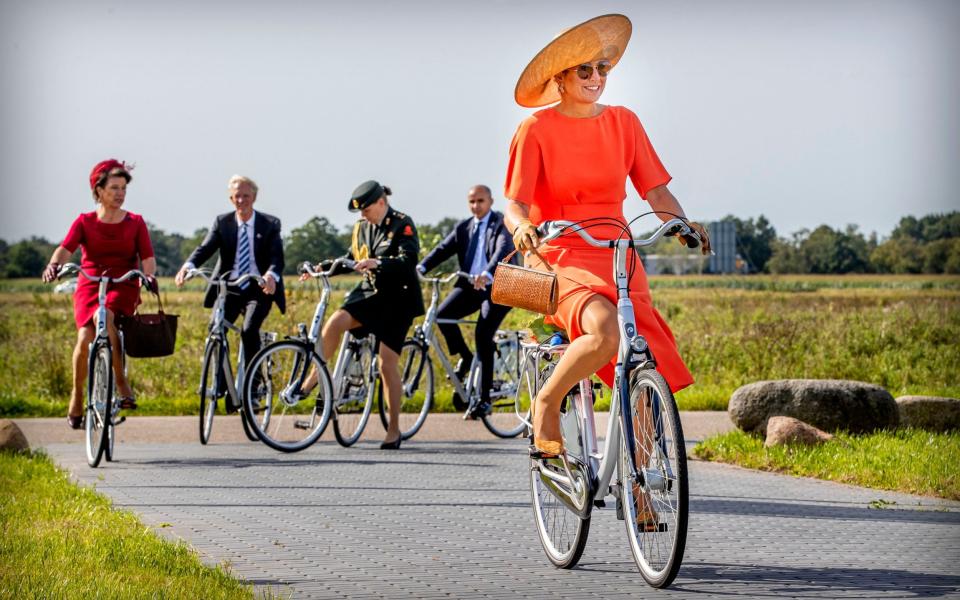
column 111, row 249
column 574, row 169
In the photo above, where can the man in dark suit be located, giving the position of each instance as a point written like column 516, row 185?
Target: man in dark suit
column 479, row 243
column 248, row 241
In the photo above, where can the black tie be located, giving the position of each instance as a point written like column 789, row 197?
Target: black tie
column 472, row 245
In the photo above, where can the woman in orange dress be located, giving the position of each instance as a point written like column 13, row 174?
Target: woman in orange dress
column 571, row 162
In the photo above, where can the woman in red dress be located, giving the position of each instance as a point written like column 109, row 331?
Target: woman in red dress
column 113, row 241
column 571, row 162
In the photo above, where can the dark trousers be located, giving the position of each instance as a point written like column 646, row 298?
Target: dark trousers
column 460, row 303
column 254, row 305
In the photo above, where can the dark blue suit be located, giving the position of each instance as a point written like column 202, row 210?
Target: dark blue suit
column 464, row 299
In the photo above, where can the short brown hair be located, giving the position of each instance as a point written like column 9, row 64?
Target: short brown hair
column 114, row 172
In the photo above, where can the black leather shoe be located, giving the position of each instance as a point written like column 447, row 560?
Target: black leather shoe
column 394, row 445
column 75, row 422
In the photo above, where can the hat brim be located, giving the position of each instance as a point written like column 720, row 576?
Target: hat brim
column 604, row 37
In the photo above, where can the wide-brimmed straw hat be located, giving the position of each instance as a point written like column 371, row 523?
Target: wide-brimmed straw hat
column 604, row 37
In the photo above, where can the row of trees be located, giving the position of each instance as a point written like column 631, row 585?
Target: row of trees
column 317, row 239
column 930, row 244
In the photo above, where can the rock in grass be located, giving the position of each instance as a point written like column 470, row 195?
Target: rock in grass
column 787, row 430
column 11, row 438
column 828, row 404
column 930, row 413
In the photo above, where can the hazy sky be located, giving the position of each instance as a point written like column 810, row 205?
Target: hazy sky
column 807, row 112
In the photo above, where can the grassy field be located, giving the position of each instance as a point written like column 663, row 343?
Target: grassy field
column 63, row 541
column 896, row 331
column 911, row 461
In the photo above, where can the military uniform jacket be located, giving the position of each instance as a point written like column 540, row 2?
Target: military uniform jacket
column 394, row 287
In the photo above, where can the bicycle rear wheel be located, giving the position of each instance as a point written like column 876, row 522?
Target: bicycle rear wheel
column 209, row 388
column 416, row 377
column 655, row 504
column 354, row 398
column 562, row 527
column 99, row 388
column 502, row 420
column 285, row 416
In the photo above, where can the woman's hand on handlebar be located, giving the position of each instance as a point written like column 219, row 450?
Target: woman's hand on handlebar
column 367, row 264
column 50, row 272
column 702, row 232
column 525, row 237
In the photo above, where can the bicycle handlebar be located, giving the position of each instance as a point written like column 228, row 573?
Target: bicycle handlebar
column 71, row 268
column 223, row 278
column 447, row 278
column 551, row 230
column 308, row 268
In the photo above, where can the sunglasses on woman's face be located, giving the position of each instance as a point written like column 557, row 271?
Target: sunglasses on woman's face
column 586, row 71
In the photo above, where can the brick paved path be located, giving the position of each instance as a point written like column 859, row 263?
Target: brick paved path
column 439, row 520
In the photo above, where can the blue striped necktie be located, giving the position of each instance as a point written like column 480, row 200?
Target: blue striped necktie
column 243, row 256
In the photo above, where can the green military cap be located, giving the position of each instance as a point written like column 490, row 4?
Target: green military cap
column 366, row 194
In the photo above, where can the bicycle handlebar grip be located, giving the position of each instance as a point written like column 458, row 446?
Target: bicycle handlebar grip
column 692, row 240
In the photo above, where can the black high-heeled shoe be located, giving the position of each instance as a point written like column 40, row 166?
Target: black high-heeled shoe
column 394, row 445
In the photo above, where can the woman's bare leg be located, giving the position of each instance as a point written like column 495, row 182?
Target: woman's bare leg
column 390, row 371
column 582, row 358
column 339, row 323
column 80, row 355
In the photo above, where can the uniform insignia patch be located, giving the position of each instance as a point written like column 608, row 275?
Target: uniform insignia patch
column 408, row 230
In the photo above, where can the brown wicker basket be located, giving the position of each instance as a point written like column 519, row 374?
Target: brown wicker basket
column 523, row 287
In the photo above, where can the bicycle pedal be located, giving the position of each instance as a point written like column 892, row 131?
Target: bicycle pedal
column 300, row 424
column 118, row 421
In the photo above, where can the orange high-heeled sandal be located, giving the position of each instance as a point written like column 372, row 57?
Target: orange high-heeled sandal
column 548, row 446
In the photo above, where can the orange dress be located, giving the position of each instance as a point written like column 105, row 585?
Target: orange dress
column 574, row 169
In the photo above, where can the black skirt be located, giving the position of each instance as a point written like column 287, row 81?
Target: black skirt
column 390, row 329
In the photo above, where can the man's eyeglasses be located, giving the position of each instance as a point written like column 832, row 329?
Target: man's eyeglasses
column 586, row 71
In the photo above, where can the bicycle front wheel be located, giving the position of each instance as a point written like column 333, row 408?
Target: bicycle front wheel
column 285, row 414
column 354, row 397
column 416, row 380
column 563, row 527
column 654, row 504
column 208, row 388
column 99, row 388
column 502, row 420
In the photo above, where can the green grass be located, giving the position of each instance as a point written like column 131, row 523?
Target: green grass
column 899, row 332
column 60, row 540
column 911, row 461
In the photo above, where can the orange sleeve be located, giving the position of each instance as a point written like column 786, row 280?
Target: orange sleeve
column 525, row 166
column 647, row 171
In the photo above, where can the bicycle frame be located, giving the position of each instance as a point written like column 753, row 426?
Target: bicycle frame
column 218, row 328
column 632, row 353
column 102, row 336
column 426, row 333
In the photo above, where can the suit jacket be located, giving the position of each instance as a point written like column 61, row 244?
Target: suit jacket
column 497, row 244
column 395, row 284
column 267, row 251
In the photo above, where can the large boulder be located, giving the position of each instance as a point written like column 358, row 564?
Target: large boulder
column 931, row 413
column 828, row 404
column 787, row 430
column 11, row 438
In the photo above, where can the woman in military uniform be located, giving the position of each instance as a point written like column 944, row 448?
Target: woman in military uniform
column 385, row 247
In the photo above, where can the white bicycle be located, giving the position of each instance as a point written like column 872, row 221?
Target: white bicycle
column 643, row 462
